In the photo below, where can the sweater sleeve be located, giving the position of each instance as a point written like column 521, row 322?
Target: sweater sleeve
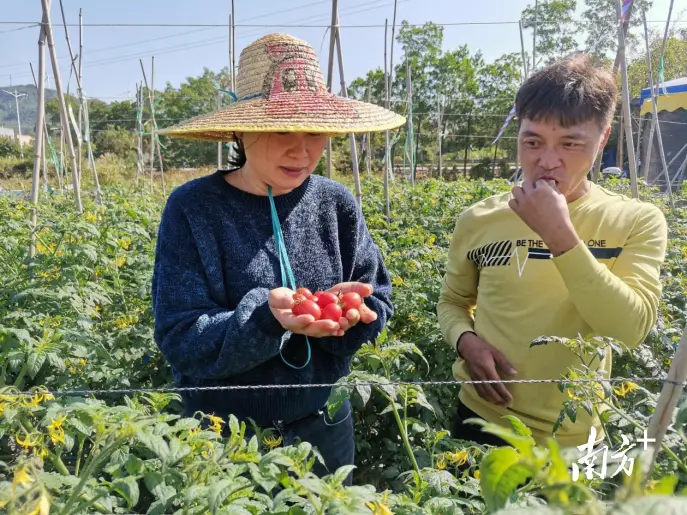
column 367, row 267
column 197, row 335
column 620, row 303
column 458, row 297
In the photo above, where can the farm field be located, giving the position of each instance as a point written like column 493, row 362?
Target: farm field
column 78, row 317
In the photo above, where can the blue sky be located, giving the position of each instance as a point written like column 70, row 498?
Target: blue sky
column 111, row 54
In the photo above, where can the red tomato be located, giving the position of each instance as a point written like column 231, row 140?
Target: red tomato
column 332, row 312
column 326, row 298
column 307, row 307
column 306, row 293
column 351, row 300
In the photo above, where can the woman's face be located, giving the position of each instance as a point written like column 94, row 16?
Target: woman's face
column 282, row 160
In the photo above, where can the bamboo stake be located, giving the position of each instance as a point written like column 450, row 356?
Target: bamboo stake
column 387, row 163
column 330, row 73
column 77, row 73
column 351, row 136
column 654, row 108
column 525, row 64
column 139, row 132
column 152, row 127
column 369, row 138
column 667, row 400
column 40, row 136
column 79, row 76
column 219, row 143
column 391, row 57
column 440, row 116
column 233, row 46
column 63, row 108
column 626, row 106
column 534, row 36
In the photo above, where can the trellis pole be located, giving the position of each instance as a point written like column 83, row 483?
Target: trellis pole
column 626, row 104
column 41, row 134
column 387, row 163
column 63, row 108
column 330, row 73
column 77, row 73
column 351, row 136
column 654, row 108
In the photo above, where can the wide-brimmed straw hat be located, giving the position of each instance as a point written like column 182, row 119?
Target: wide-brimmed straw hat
column 280, row 88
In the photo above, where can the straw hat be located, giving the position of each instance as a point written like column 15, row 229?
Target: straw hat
column 280, row 88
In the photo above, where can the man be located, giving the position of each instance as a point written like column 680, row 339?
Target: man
column 557, row 256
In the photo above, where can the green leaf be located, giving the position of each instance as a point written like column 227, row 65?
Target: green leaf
column 364, row 391
column 571, row 410
column 156, row 444
column 35, row 362
column 218, row 494
column 523, row 443
column 134, row 465
column 501, row 473
column 128, row 488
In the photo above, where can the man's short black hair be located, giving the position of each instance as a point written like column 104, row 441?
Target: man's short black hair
column 570, row 91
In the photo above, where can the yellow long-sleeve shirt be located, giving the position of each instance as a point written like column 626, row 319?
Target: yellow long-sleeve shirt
column 502, row 283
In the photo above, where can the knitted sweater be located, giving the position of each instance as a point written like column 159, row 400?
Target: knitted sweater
column 215, row 264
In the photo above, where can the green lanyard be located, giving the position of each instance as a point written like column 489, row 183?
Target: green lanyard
column 285, row 266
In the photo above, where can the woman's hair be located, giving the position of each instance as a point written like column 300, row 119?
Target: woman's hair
column 237, row 158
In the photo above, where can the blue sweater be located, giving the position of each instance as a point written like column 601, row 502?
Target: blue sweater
column 215, row 264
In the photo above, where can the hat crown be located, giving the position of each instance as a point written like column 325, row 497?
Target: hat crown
column 278, row 63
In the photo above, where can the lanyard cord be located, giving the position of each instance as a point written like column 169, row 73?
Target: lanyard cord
column 286, row 272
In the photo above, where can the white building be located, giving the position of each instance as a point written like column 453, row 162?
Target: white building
column 6, row 133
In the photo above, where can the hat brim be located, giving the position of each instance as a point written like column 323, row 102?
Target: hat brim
column 322, row 113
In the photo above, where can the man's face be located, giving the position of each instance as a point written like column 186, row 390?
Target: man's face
column 565, row 155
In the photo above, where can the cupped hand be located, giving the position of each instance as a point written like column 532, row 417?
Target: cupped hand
column 363, row 314
column 280, row 301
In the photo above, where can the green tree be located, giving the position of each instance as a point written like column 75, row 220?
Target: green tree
column 556, row 29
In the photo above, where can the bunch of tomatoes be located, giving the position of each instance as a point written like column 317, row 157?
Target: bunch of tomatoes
column 324, row 305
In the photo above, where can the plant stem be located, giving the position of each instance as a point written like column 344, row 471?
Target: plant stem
column 22, row 373
column 58, row 463
column 406, row 443
column 77, row 466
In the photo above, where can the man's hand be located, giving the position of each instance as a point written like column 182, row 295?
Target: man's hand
column 353, row 316
column 545, row 210
column 280, row 301
column 482, row 360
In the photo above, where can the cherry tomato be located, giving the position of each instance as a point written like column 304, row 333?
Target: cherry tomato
column 306, row 293
column 298, row 297
column 332, row 312
column 307, row 307
column 326, row 298
column 351, row 300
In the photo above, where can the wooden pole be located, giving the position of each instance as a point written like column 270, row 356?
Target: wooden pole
column 233, row 46
column 79, row 76
column 387, row 163
column 139, row 132
column 654, row 108
column 219, row 143
column 63, row 107
column 351, row 136
column 77, row 73
column 368, row 149
column 40, row 135
column 330, row 74
column 391, row 57
column 534, row 36
column 670, row 394
column 440, row 116
column 525, row 67
column 152, row 126
column 626, row 106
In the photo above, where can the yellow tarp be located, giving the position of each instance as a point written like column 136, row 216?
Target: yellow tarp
column 670, row 102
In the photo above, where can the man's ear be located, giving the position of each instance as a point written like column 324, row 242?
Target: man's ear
column 607, row 134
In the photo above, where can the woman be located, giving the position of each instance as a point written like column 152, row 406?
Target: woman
column 234, row 247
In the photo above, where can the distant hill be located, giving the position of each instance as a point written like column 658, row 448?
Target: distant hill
column 27, row 107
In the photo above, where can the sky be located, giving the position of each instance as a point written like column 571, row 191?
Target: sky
column 111, row 65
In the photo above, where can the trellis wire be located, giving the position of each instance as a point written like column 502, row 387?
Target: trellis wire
column 126, row 391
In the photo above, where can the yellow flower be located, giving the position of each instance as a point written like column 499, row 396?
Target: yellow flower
column 216, row 423
column 272, row 442
column 57, row 435
column 396, row 280
column 441, row 464
column 56, row 423
column 27, row 442
column 477, row 475
column 22, row 477
column 120, row 261
column 625, row 388
column 42, row 507
column 91, row 218
column 573, row 396
column 457, row 458
column 379, row 507
column 194, row 431
column 125, row 243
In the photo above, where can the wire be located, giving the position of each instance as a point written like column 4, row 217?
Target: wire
column 369, row 26
column 125, row 391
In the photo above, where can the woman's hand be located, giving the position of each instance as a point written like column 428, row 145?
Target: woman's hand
column 280, row 301
column 353, row 316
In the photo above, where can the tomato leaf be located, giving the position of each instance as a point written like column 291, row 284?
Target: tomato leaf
column 501, row 473
column 35, row 362
column 128, row 488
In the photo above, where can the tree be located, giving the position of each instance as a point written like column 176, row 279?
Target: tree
column 556, row 29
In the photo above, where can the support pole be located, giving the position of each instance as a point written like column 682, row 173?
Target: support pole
column 626, row 105
column 351, row 136
column 17, row 96
column 440, row 116
column 654, row 108
column 139, row 132
column 525, row 67
column 41, row 135
column 79, row 76
column 330, row 73
column 63, row 107
column 387, row 162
